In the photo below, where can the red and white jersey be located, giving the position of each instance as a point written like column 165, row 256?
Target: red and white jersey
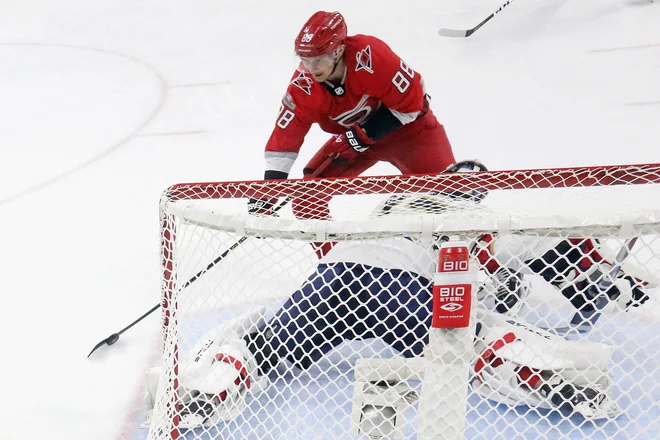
column 374, row 76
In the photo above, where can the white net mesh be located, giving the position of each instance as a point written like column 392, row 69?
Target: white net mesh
column 575, row 251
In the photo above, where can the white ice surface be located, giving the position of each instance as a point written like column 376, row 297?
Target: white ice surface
column 103, row 104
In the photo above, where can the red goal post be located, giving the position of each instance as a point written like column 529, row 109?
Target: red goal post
column 202, row 221
column 497, row 180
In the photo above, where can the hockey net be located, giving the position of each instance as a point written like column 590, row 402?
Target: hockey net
column 219, row 262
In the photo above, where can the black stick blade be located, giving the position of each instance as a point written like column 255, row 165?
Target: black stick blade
column 109, row 341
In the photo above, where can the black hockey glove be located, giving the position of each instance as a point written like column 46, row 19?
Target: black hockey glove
column 381, row 123
column 262, row 207
column 357, row 139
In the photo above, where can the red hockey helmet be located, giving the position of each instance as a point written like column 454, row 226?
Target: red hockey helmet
column 323, row 32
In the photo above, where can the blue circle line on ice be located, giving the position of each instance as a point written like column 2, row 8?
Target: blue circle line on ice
column 163, row 86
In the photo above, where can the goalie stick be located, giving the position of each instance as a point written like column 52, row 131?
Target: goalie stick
column 110, row 340
column 458, row 33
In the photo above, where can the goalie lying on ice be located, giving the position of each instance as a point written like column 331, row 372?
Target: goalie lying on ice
column 383, row 289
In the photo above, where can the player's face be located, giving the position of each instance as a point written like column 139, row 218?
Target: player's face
column 320, row 67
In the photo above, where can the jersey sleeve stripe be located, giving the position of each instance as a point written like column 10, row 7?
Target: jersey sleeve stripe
column 280, row 160
column 405, row 118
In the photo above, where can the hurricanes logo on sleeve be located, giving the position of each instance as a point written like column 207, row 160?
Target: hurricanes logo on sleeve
column 364, row 60
column 303, row 82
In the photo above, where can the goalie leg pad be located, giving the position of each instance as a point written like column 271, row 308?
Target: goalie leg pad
column 540, row 349
column 202, row 355
column 506, row 350
column 220, row 393
column 502, row 385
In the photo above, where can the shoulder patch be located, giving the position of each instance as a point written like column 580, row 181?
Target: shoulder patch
column 303, row 82
column 364, row 60
column 288, row 101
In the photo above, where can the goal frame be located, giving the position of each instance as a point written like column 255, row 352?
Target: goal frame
column 568, row 177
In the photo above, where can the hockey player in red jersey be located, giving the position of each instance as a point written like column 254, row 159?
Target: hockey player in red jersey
column 367, row 97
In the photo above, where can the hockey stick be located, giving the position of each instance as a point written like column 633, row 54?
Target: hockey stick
column 110, row 340
column 584, row 321
column 457, row 33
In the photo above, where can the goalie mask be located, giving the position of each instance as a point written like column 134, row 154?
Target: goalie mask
column 475, row 195
column 435, row 202
column 466, row 166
